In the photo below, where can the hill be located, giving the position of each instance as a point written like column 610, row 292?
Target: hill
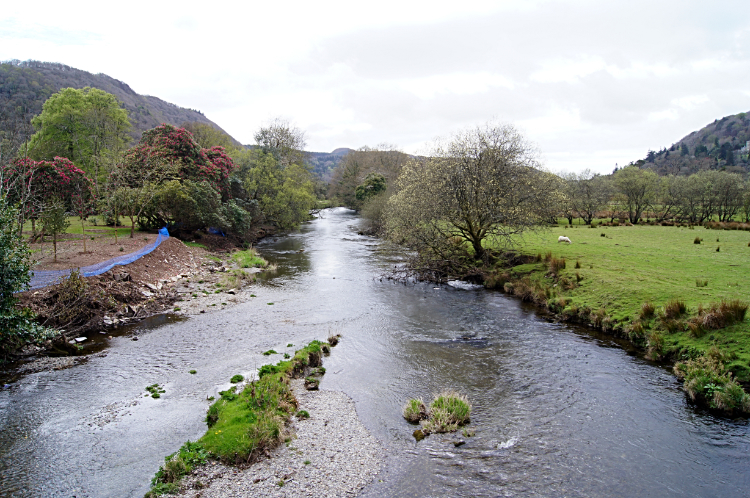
column 722, row 145
column 25, row 86
column 323, row 163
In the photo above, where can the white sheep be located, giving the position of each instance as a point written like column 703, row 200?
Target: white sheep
column 563, row 238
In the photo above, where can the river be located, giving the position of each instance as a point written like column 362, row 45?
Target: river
column 558, row 410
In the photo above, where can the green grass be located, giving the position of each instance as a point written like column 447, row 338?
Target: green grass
column 634, row 265
column 249, row 259
column 243, row 425
column 194, row 244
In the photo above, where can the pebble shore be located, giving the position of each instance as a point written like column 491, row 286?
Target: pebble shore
column 330, row 454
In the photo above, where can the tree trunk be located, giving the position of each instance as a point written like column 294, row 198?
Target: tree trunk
column 54, row 244
column 83, row 231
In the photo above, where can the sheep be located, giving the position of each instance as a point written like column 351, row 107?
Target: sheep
column 563, row 238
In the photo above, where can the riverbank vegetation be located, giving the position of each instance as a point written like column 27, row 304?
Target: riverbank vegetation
column 74, row 162
column 245, row 422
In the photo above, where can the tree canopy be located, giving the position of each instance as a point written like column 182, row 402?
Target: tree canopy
column 483, row 182
column 87, row 126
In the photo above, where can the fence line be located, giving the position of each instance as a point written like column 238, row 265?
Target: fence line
column 44, row 278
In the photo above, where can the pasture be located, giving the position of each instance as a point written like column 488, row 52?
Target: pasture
column 623, row 267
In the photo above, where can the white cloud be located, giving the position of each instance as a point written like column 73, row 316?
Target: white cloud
column 592, row 83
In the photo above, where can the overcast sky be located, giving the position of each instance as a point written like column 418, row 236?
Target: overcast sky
column 592, row 83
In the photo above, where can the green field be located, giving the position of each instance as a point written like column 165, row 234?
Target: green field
column 623, row 267
column 96, row 230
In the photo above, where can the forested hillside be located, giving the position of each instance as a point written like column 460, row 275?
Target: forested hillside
column 721, row 145
column 24, row 86
column 323, row 163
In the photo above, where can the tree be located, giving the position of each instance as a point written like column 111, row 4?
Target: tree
column 282, row 140
column 208, row 136
column 54, row 221
column 16, row 326
column 136, row 179
column 639, row 187
column 84, row 125
column 385, row 160
column 588, row 194
column 192, row 162
column 729, row 190
column 284, row 195
column 373, row 185
column 484, row 183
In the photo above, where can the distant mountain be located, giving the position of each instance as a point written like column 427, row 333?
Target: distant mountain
column 323, row 163
column 723, row 144
column 27, row 85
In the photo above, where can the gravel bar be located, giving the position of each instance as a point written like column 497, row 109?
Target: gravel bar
column 342, row 457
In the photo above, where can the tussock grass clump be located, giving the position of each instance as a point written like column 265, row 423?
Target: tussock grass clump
column 717, row 316
column 647, row 310
column 176, row 466
column 249, row 259
column 578, row 264
column 597, row 317
column 701, row 283
column 674, row 308
column 708, row 382
column 697, row 240
column 448, row 411
column 415, row 410
column 556, row 264
column 655, row 347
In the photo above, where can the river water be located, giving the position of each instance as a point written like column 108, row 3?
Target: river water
column 558, row 410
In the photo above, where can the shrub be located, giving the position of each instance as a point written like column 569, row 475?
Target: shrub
column 578, row 264
column 604, row 234
column 718, row 248
column 415, row 410
column 707, row 382
column 697, row 240
column 236, row 379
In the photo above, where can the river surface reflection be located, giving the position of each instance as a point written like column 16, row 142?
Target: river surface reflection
column 558, row 411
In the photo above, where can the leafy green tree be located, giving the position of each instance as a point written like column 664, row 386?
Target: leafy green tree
column 208, row 136
column 373, row 185
column 188, row 205
column 87, row 126
column 16, row 326
column 54, row 221
column 484, row 183
column 284, row 195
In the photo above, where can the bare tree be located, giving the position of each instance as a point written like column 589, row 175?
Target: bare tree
column 483, row 183
column 284, row 141
column 588, row 193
